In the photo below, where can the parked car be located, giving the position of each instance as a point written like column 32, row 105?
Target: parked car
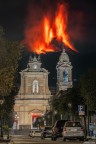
column 73, row 130
column 46, row 132
column 35, row 133
column 58, row 128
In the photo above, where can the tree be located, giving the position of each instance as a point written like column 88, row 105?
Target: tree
column 88, row 89
column 10, row 55
column 71, row 96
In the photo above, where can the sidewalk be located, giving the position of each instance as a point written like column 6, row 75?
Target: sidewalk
column 90, row 140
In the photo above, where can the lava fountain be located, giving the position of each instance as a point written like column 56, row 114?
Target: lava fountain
column 39, row 37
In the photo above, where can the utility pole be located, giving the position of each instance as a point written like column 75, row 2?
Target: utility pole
column 85, row 126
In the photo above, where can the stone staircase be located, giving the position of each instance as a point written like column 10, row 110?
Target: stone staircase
column 17, row 139
column 21, row 136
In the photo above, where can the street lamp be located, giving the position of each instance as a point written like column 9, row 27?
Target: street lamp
column 16, row 120
column 1, row 103
column 70, row 112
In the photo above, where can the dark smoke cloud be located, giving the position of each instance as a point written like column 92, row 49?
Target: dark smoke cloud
column 82, row 23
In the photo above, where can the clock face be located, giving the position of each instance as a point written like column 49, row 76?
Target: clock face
column 35, row 66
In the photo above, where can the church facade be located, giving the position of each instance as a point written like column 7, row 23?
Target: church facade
column 32, row 100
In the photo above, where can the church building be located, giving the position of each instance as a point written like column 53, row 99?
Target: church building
column 34, row 95
column 32, row 100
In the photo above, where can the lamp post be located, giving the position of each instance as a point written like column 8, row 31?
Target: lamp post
column 70, row 111
column 1, row 103
column 48, row 119
column 53, row 116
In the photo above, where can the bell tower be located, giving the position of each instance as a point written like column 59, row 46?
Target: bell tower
column 64, row 72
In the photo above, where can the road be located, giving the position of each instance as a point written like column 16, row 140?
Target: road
column 29, row 140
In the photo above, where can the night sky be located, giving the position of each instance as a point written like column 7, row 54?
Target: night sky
column 81, row 28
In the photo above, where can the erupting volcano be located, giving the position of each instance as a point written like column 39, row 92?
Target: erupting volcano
column 39, row 37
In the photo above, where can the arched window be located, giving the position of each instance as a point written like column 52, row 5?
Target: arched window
column 65, row 76
column 35, row 86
